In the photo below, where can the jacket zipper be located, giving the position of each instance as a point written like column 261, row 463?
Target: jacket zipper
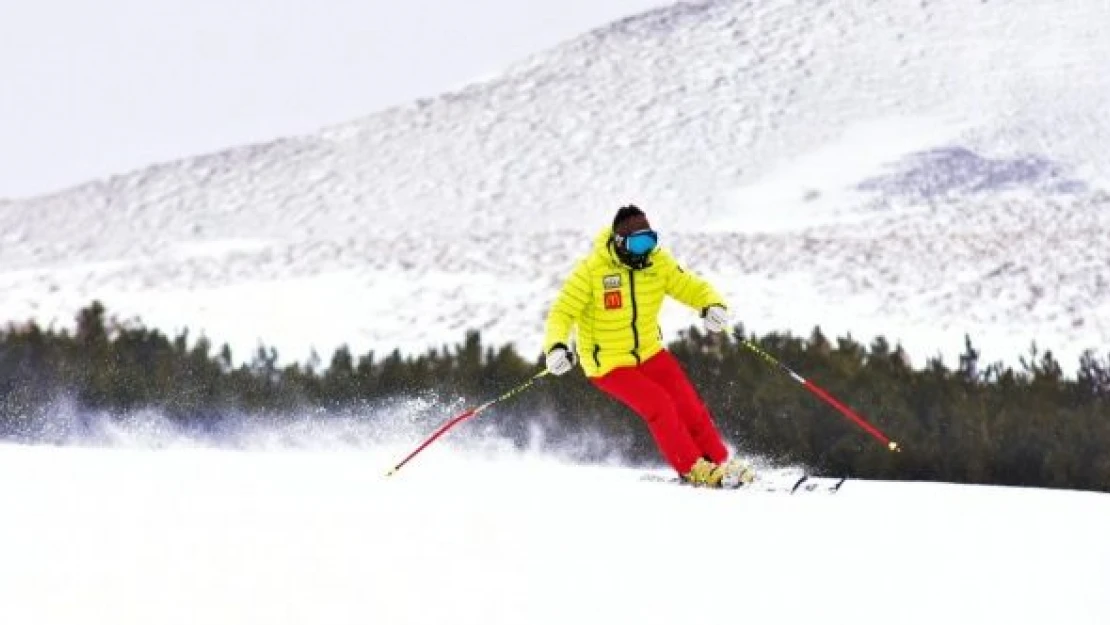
column 635, row 314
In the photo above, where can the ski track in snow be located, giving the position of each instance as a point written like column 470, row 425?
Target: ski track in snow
column 913, row 170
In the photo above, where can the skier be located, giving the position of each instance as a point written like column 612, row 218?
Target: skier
column 613, row 298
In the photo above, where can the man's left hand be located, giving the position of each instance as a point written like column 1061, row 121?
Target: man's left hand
column 716, row 318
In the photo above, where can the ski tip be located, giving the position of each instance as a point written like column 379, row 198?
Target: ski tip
column 799, row 483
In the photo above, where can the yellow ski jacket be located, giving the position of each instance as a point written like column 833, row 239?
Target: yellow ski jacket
column 615, row 309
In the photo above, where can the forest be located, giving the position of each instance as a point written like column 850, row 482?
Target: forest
column 971, row 422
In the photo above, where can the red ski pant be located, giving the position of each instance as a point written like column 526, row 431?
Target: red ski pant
column 659, row 391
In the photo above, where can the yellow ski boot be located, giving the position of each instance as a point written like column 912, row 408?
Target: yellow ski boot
column 736, row 473
column 704, row 473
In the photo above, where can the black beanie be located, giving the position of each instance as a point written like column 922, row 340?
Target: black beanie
column 626, row 212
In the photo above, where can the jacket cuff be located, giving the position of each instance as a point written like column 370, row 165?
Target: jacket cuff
column 705, row 311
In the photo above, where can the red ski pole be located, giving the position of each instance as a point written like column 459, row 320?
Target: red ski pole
column 823, row 394
column 452, row 422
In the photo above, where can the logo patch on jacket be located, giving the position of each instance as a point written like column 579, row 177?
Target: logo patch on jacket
column 613, row 300
column 612, row 281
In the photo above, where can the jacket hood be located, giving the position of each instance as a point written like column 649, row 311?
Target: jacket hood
column 601, row 241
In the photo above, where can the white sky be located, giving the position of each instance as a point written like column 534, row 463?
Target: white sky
column 119, row 537
column 96, row 88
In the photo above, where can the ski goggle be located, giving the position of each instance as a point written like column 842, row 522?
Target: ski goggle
column 639, row 243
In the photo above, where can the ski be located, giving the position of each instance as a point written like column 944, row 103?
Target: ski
column 804, row 484
column 808, row 484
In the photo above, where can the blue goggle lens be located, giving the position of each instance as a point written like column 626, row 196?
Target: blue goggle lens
column 642, row 242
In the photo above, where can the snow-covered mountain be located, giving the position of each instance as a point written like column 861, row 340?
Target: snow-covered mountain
column 919, row 170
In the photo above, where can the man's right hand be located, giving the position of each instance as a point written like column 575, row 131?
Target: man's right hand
column 560, row 359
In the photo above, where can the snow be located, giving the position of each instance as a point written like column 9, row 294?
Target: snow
column 193, row 535
column 812, row 190
column 113, row 87
column 916, row 170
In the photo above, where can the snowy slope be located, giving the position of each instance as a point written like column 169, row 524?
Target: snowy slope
column 912, row 169
column 202, row 536
column 121, row 84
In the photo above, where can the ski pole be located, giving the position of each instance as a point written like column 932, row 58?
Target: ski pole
column 822, row 393
column 452, row 422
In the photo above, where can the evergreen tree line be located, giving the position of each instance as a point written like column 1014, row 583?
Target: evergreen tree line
column 975, row 423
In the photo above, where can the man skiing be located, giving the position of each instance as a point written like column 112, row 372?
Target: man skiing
column 613, row 298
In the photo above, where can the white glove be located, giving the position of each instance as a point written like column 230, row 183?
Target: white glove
column 716, row 318
column 560, row 359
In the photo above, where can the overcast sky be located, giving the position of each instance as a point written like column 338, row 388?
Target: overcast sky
column 89, row 89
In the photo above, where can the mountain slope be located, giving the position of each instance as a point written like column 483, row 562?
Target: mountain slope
column 918, row 170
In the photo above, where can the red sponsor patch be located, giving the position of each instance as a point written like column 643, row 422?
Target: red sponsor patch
column 613, row 300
